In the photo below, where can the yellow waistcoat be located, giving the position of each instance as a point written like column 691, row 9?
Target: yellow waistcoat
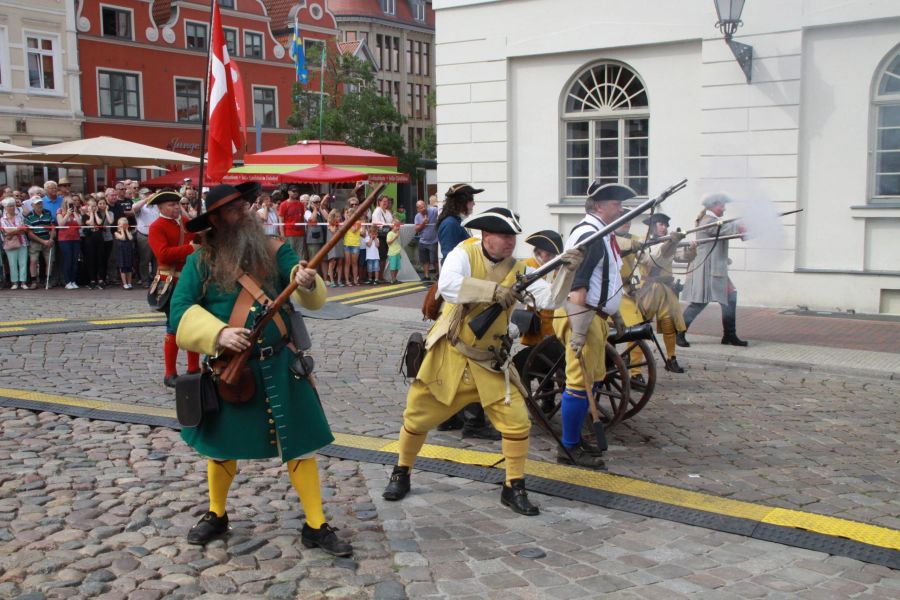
column 546, row 316
column 444, row 366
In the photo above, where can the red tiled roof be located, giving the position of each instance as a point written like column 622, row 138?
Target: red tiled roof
column 372, row 8
column 278, row 12
column 348, row 47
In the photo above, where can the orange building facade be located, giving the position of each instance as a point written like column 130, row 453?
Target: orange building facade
column 143, row 69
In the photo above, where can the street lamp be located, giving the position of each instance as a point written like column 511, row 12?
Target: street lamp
column 729, row 12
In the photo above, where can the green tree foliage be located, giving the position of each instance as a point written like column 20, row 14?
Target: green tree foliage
column 354, row 112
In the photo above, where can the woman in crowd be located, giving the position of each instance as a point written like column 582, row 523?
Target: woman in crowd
column 15, row 243
column 351, row 250
column 104, row 214
column 124, row 252
column 268, row 214
column 335, row 264
column 186, row 209
column 69, row 220
column 383, row 218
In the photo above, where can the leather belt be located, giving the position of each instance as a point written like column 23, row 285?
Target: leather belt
column 266, row 352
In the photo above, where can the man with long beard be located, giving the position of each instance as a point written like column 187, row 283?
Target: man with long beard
column 238, row 270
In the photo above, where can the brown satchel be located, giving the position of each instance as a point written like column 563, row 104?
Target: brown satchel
column 431, row 306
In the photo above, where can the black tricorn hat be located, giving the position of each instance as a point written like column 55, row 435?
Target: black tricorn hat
column 219, row 196
column 495, row 220
column 547, row 240
column 600, row 192
column 458, row 189
column 657, row 218
column 164, row 196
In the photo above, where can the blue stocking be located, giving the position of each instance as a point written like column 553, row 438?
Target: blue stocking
column 574, row 409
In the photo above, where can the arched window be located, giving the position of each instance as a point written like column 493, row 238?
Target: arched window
column 886, row 101
column 606, row 121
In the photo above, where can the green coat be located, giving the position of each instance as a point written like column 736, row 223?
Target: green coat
column 285, row 416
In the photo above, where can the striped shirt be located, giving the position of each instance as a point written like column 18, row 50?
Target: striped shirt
column 41, row 224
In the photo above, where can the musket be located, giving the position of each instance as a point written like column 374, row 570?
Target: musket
column 721, row 238
column 483, row 320
column 653, row 242
column 230, row 373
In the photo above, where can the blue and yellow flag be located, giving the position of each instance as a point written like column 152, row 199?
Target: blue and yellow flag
column 298, row 55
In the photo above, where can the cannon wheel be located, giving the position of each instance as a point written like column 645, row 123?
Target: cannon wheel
column 640, row 392
column 543, row 374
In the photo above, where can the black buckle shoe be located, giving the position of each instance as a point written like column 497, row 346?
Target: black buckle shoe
column 325, row 538
column 681, row 340
column 580, row 457
column 673, row 366
column 209, row 528
column 451, row 424
column 169, row 381
column 398, row 487
column 733, row 340
column 483, row 432
column 515, row 497
column 638, row 382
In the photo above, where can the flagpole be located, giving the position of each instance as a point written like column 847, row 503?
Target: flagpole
column 322, row 92
column 204, row 116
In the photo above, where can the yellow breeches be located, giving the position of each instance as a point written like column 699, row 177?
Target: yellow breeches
column 659, row 300
column 423, row 412
column 630, row 312
column 593, row 354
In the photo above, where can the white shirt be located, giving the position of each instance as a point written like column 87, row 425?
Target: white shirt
column 144, row 216
column 613, row 288
column 371, row 249
column 456, row 268
column 382, row 217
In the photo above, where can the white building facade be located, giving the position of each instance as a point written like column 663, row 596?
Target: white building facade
column 537, row 97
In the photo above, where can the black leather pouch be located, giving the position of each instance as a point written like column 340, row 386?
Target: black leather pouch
column 195, row 397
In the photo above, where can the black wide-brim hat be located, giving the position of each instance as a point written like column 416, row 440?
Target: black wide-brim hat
column 495, row 220
column 220, row 196
column 600, row 192
column 547, row 240
column 164, row 196
column 657, row 218
column 460, row 189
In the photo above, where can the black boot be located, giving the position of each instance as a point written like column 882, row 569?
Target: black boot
column 325, row 538
column 673, row 366
column 732, row 339
column 515, row 497
column 169, row 381
column 454, row 422
column 638, row 382
column 209, row 528
column 398, row 487
column 482, row 432
column 580, row 457
column 681, row 341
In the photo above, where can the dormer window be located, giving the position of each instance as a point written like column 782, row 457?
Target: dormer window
column 419, row 10
column 389, row 7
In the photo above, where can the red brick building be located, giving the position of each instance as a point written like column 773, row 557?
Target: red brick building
column 143, row 68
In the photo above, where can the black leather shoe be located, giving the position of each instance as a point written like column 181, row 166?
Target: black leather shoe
column 325, row 538
column 582, row 458
column 681, row 340
column 169, row 380
column 638, row 381
column 484, row 432
column 673, row 366
column 515, row 497
column 733, row 340
column 451, row 424
column 398, row 487
column 209, row 528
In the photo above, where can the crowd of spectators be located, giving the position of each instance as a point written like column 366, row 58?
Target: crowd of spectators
column 55, row 237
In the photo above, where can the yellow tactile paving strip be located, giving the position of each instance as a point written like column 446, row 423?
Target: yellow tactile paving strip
column 829, row 526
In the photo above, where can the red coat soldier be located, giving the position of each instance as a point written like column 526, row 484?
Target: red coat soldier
column 171, row 243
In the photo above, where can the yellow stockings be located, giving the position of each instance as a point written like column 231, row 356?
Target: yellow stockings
column 304, row 476
column 220, row 474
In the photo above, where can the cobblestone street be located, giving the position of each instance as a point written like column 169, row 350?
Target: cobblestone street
column 96, row 508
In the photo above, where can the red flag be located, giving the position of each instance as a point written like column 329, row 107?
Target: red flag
column 240, row 96
column 224, row 137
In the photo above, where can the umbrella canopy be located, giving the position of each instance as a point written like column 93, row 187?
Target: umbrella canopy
column 13, row 149
column 106, row 151
column 313, row 152
column 321, row 173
